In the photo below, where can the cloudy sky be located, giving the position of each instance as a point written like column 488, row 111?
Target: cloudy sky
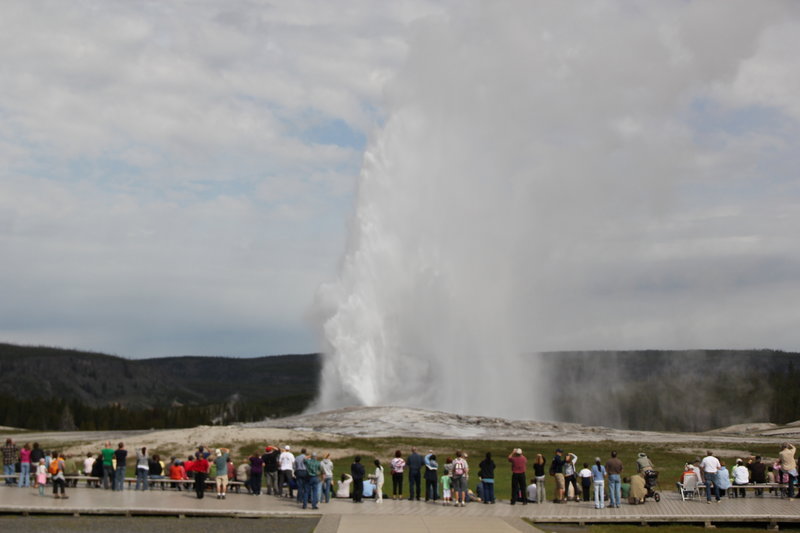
column 179, row 177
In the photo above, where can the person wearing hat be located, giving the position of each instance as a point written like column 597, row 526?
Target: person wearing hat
column 519, row 463
column 286, row 472
column 557, row 471
column 270, row 458
column 741, row 476
column 643, row 463
column 313, row 469
column 221, row 456
column 789, row 465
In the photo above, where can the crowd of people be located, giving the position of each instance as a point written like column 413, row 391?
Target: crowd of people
column 712, row 474
column 308, row 477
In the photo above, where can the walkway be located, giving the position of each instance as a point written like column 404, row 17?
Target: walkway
column 398, row 516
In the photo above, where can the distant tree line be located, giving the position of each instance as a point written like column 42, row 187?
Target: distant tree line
column 57, row 414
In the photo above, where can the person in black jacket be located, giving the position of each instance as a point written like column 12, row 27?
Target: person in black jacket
column 270, row 459
column 358, row 473
column 486, row 474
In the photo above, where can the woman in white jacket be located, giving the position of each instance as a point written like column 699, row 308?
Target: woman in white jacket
column 378, row 478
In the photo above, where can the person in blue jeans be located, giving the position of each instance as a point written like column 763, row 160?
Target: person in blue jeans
column 486, row 474
column 313, row 469
column 120, row 454
column 710, row 465
column 614, row 470
column 10, row 453
column 598, row 477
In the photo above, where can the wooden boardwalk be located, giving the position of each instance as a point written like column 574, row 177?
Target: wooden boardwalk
column 84, row 501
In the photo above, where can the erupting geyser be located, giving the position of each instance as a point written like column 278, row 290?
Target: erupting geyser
column 524, row 149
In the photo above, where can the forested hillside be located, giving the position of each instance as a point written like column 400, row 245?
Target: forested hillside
column 51, row 388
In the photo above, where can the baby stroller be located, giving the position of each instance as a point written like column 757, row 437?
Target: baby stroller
column 651, row 484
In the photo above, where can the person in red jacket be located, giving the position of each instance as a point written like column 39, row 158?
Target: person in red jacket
column 200, row 468
column 519, row 463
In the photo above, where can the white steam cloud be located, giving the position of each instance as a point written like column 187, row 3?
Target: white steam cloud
column 522, row 196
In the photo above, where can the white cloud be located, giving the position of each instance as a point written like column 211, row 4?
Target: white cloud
column 160, row 184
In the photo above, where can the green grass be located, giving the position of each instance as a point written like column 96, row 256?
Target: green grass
column 667, row 461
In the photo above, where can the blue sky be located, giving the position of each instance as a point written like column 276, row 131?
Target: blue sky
column 180, row 178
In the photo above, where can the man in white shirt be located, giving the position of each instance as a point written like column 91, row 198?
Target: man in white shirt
column 710, row 466
column 286, row 466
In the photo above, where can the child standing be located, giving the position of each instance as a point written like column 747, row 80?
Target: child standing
column 41, row 476
column 586, row 481
column 445, row 481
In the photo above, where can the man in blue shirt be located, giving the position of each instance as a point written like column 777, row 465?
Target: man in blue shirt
column 414, row 464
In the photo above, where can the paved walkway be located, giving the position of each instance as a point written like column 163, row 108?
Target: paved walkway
column 401, row 515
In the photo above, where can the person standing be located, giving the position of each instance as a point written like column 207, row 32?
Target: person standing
column 327, row 477
column 789, row 465
column 200, row 467
column 301, row 475
column 571, row 474
column 414, row 463
column 270, row 459
column 539, row 465
column 256, row 470
column 598, row 477
column 142, row 469
column 59, row 481
column 710, row 466
column 519, row 464
column 379, row 479
column 460, row 473
column 431, row 478
column 121, row 455
column 357, row 473
column 398, row 465
column 24, row 466
column 614, row 469
column 557, row 471
column 585, row 475
column 221, row 456
column 486, row 475
column 37, row 454
column 10, row 453
column 286, row 464
column 313, row 469
column 108, row 466
column 41, row 476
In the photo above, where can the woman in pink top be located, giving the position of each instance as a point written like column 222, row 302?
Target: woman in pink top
column 25, row 466
column 398, row 466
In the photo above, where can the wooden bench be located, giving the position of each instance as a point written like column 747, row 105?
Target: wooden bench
column 778, row 489
column 162, row 483
column 187, row 484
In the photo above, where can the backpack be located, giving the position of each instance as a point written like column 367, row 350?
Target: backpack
column 458, row 468
column 54, row 467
